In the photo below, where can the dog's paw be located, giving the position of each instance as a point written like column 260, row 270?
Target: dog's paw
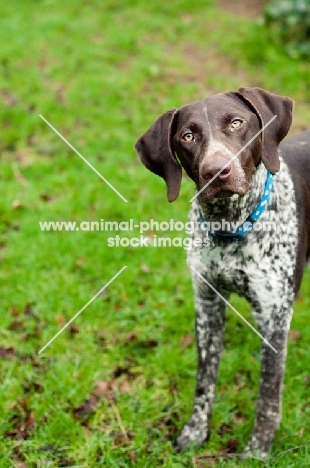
column 256, row 449
column 255, row 454
column 191, row 435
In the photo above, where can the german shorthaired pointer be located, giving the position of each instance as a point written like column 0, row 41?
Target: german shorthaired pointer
column 257, row 180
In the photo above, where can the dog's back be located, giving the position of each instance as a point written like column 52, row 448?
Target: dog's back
column 295, row 151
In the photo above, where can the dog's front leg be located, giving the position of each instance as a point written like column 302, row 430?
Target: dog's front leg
column 268, row 408
column 210, row 318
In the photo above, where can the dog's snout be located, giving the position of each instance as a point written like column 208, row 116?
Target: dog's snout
column 225, row 173
column 212, row 168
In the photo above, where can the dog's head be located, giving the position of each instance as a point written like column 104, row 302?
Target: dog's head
column 217, row 141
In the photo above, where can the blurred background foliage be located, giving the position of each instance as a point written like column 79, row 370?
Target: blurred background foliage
column 289, row 24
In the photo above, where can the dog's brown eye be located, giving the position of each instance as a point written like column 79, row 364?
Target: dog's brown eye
column 188, row 136
column 236, row 123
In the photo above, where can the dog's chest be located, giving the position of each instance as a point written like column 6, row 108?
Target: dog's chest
column 264, row 258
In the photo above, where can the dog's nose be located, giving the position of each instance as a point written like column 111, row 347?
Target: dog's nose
column 211, row 168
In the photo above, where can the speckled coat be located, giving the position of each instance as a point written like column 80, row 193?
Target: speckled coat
column 266, row 265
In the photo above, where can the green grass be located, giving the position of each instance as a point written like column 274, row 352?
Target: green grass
column 101, row 72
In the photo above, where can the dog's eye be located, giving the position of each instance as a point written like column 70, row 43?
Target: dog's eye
column 188, row 136
column 236, row 123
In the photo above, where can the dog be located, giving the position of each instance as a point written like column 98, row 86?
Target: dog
column 230, row 146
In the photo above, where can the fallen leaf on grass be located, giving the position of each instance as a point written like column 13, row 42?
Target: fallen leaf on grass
column 16, row 204
column 307, row 380
column 47, row 448
column 294, row 335
column 173, row 387
column 104, row 389
column 142, row 344
column 18, row 456
column 179, row 301
column 60, row 320
column 299, row 298
column 187, row 341
column 148, row 343
column 124, row 385
column 105, row 293
column 15, row 325
column 118, row 371
column 47, row 198
column 145, row 268
column 28, row 310
column 225, row 429
column 201, row 462
column 98, row 454
column 32, row 387
column 58, row 455
column 231, row 446
column 130, row 337
column 80, row 262
column 8, row 98
column 101, row 337
column 22, row 421
column 87, row 408
column 129, row 370
column 169, row 424
column 30, row 420
column 38, row 329
column 14, row 311
column 37, row 362
column 7, row 352
column 19, row 176
column 87, row 431
column 121, row 439
column 240, row 417
column 208, row 459
column 74, row 329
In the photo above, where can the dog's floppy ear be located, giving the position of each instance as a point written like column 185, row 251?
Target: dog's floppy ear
column 266, row 105
column 154, row 149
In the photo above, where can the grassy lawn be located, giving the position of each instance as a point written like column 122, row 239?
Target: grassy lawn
column 114, row 389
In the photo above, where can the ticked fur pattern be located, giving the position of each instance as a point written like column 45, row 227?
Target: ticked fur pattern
column 261, row 268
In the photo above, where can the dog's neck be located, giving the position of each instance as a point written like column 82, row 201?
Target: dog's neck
column 236, row 208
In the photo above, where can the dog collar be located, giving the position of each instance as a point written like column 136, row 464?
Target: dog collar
column 247, row 225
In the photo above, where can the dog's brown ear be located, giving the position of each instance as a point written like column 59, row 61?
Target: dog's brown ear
column 154, row 149
column 266, row 105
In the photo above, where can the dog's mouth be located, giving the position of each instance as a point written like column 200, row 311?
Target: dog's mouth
column 221, row 191
column 224, row 194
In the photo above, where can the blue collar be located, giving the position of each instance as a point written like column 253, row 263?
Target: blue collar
column 245, row 227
